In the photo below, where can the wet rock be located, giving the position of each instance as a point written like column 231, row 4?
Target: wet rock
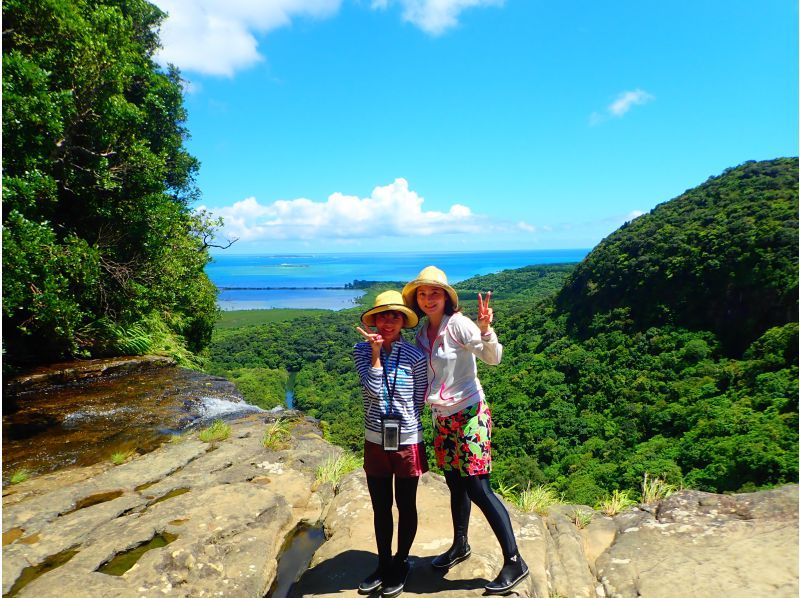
column 86, row 421
column 63, row 373
column 228, row 528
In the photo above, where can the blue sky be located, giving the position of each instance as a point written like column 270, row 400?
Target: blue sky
column 416, row 125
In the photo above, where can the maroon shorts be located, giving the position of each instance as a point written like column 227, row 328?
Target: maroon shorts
column 408, row 462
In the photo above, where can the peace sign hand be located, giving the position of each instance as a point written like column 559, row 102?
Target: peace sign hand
column 485, row 313
column 375, row 339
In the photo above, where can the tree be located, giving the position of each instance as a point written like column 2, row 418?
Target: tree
column 100, row 244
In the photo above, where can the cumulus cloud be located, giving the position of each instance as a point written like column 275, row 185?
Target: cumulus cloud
column 524, row 226
column 390, row 211
column 213, row 37
column 216, row 37
column 621, row 105
column 434, row 16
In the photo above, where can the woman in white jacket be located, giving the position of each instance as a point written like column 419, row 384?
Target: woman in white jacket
column 462, row 420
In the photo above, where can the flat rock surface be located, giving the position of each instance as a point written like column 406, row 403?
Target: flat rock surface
column 707, row 545
column 692, row 544
column 226, row 506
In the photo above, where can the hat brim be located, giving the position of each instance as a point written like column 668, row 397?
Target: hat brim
column 410, row 291
column 411, row 319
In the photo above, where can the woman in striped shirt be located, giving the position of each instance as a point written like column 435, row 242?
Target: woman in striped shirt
column 393, row 376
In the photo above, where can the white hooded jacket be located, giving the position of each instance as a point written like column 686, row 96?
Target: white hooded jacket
column 453, row 382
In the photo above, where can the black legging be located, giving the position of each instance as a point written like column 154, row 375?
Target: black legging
column 476, row 488
column 405, row 494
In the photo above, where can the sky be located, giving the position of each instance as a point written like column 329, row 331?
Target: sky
column 455, row 125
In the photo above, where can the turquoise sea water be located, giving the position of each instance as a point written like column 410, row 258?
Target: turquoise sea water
column 317, row 280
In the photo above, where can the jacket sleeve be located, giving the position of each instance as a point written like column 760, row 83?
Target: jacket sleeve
column 486, row 348
column 371, row 378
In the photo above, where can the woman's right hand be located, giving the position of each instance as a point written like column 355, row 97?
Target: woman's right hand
column 375, row 339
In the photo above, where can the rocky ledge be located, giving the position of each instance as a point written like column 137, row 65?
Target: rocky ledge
column 226, row 509
column 226, row 506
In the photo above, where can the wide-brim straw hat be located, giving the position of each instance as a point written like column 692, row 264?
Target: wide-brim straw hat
column 390, row 301
column 430, row 276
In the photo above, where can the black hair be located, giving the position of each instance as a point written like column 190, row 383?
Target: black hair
column 449, row 310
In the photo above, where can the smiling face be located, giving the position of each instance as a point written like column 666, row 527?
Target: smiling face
column 431, row 300
column 389, row 324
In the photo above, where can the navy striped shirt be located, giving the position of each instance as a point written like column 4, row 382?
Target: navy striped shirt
column 406, row 374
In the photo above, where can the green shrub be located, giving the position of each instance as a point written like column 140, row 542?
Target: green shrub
column 263, row 387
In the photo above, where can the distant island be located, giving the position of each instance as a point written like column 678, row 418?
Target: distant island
column 349, row 286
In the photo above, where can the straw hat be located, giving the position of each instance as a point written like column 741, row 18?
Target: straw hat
column 430, row 276
column 389, row 301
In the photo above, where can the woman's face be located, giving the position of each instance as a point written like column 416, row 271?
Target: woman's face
column 389, row 324
column 431, row 300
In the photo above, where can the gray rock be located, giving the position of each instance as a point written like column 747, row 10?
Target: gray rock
column 703, row 544
column 228, row 506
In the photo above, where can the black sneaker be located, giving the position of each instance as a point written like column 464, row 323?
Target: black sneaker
column 456, row 554
column 513, row 572
column 372, row 582
column 396, row 579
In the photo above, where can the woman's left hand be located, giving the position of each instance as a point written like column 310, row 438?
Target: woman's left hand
column 485, row 313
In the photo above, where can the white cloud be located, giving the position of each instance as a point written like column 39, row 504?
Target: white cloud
column 627, row 99
column 213, row 37
column 434, row 16
column 621, row 105
column 522, row 225
column 390, row 211
column 216, row 37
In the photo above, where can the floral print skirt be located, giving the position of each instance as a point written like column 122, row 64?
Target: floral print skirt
column 462, row 441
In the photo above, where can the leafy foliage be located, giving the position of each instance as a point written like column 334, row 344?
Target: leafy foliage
column 721, row 257
column 99, row 243
column 263, row 387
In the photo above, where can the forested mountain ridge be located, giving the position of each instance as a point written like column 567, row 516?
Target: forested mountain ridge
column 720, row 257
column 101, row 253
column 588, row 410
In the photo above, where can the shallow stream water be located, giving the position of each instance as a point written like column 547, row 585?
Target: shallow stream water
column 85, row 422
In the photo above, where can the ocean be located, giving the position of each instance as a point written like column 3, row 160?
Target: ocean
column 318, row 280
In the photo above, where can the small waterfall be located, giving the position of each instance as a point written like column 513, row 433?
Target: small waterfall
column 86, row 421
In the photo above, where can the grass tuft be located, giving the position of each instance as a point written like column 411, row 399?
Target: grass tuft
column 616, row 503
column 581, row 518
column 537, row 499
column 119, row 457
column 335, row 468
column 19, row 476
column 218, row 430
column 278, row 434
column 507, row 492
column 655, row 489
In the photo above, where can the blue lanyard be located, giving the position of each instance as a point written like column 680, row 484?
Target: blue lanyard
column 390, row 392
